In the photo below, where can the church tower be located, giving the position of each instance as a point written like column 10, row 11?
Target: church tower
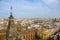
column 11, row 19
column 11, row 29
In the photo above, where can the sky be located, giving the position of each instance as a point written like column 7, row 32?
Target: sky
column 30, row 8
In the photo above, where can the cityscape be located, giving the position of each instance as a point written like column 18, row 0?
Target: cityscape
column 29, row 29
column 20, row 20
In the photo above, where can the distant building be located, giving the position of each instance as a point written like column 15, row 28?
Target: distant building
column 27, row 35
column 2, row 34
column 43, row 33
column 19, row 27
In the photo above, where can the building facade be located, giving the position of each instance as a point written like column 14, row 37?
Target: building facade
column 27, row 35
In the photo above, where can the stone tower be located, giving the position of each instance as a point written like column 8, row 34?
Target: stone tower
column 11, row 29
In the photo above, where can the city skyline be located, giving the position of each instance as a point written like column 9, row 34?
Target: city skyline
column 30, row 8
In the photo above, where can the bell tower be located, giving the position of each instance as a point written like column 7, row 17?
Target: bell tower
column 11, row 29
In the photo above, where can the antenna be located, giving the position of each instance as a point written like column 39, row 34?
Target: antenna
column 11, row 10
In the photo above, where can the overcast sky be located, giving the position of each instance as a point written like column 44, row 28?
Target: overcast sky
column 30, row 8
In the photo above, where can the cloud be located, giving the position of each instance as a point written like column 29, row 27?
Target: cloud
column 52, row 3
